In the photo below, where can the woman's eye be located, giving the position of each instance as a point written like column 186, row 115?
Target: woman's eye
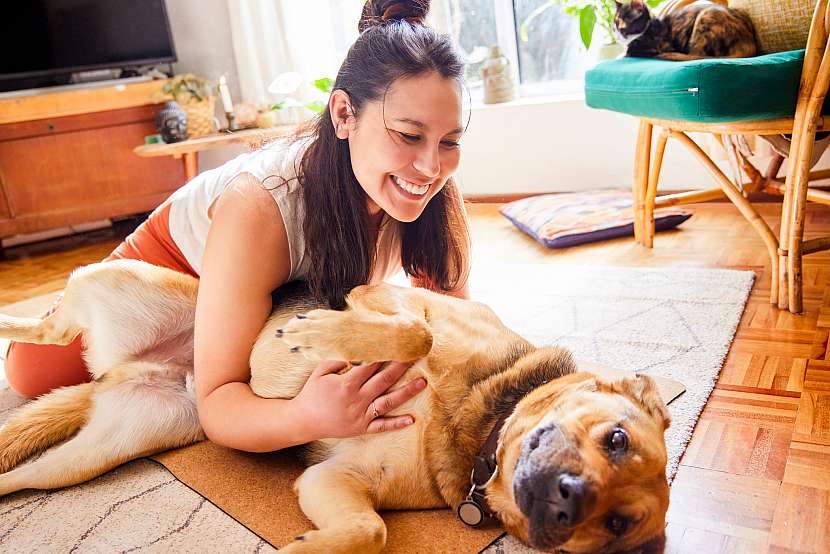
column 409, row 138
column 451, row 143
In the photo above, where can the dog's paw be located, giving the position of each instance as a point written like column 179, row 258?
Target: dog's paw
column 318, row 335
column 302, row 544
column 333, row 541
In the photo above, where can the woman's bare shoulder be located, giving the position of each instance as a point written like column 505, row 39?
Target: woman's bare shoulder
column 245, row 218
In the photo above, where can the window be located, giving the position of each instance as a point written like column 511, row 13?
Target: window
column 540, row 40
column 550, row 50
column 473, row 25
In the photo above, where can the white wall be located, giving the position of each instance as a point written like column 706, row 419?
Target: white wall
column 202, row 35
column 544, row 145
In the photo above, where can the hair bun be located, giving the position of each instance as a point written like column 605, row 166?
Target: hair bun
column 378, row 12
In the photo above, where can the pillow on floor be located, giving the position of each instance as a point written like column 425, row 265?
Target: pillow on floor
column 560, row 220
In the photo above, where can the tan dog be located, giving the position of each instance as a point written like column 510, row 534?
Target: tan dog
column 580, row 463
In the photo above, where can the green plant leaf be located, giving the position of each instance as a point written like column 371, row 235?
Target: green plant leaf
column 277, row 105
column 587, row 20
column 316, row 106
column 324, row 84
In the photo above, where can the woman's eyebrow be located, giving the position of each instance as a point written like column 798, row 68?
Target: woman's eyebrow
column 423, row 126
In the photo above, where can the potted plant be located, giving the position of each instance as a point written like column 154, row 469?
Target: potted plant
column 289, row 109
column 590, row 13
column 195, row 96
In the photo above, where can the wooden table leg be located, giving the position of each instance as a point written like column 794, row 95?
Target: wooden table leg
column 191, row 165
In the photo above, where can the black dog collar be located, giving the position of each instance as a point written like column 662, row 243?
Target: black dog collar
column 475, row 510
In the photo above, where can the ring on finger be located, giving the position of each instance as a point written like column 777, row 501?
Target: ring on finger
column 375, row 412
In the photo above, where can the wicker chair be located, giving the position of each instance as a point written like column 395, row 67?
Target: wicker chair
column 787, row 249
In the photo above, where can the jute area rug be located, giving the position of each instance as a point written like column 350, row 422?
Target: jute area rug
column 676, row 323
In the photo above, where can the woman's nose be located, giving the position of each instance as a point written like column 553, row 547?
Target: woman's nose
column 428, row 161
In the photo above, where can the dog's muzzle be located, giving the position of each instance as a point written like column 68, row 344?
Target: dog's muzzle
column 554, row 498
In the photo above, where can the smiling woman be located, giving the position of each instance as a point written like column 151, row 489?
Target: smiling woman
column 409, row 141
column 363, row 191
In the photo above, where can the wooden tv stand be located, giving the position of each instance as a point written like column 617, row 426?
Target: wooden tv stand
column 66, row 158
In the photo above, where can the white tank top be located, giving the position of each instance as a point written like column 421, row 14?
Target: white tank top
column 275, row 167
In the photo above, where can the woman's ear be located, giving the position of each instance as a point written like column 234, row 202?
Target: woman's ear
column 342, row 114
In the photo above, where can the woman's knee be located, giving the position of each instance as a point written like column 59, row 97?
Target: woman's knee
column 36, row 369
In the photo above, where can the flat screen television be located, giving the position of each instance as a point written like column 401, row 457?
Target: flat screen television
column 45, row 41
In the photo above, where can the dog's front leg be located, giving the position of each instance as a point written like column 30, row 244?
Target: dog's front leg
column 358, row 334
column 339, row 501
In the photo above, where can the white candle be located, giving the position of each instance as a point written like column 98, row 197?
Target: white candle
column 227, row 104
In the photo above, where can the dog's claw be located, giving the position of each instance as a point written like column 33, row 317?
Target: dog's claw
column 279, row 333
column 295, row 349
column 301, row 316
column 300, row 538
column 356, row 362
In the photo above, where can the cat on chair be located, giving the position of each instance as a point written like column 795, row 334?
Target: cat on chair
column 695, row 31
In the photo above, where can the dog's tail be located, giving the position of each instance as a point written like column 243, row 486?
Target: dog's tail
column 44, row 422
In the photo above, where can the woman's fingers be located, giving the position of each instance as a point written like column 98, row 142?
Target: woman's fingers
column 361, row 373
column 384, row 404
column 380, row 382
column 326, row 367
column 383, row 424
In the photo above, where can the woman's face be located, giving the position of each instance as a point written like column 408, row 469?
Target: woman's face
column 405, row 148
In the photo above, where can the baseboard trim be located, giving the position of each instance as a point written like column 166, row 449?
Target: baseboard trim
column 755, row 197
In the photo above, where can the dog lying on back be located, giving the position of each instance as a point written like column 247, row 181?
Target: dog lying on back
column 577, row 463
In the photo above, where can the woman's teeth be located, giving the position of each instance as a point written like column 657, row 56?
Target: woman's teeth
column 410, row 187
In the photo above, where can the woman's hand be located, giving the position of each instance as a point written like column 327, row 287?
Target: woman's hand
column 355, row 403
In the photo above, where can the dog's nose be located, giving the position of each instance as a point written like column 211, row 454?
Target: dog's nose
column 571, row 502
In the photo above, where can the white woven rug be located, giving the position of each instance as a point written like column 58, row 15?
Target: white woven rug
column 678, row 323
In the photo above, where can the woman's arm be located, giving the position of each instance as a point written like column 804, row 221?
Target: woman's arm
column 246, row 257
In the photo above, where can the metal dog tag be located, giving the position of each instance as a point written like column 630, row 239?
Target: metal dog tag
column 470, row 513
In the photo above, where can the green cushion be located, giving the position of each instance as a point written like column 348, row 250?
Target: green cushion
column 712, row 90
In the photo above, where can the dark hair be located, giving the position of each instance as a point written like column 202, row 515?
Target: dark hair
column 393, row 44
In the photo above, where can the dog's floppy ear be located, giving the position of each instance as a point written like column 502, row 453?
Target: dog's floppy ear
column 643, row 388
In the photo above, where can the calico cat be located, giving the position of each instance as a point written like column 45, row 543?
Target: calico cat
column 693, row 32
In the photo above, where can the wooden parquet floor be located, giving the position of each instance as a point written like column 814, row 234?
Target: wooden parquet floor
column 756, row 475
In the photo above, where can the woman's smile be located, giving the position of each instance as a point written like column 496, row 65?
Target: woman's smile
column 409, row 189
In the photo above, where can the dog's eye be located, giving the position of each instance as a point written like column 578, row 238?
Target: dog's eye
column 617, row 524
column 618, row 441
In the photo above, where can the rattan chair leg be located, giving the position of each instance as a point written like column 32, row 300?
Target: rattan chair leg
column 642, row 157
column 815, row 78
column 651, row 191
column 743, row 205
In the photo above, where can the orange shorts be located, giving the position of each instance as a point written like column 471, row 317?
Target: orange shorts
column 35, row 369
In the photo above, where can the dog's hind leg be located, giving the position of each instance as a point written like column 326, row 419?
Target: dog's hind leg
column 44, row 422
column 339, row 501
column 53, row 329
column 131, row 419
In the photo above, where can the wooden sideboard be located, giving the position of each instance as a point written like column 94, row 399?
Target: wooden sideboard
column 67, row 158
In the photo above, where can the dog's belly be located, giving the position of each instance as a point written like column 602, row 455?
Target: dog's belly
column 395, row 460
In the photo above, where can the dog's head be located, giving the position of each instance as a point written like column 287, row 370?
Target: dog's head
column 582, row 466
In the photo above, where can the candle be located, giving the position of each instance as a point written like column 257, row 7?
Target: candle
column 227, row 104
